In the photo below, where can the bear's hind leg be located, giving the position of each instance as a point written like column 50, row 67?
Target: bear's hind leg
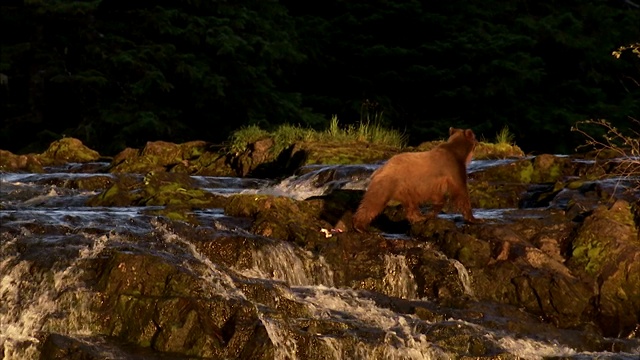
column 413, row 213
column 372, row 204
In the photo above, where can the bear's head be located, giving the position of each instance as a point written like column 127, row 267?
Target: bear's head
column 467, row 134
column 463, row 141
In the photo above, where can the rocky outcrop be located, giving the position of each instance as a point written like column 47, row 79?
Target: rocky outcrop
column 176, row 193
column 194, row 157
column 559, row 262
column 20, row 163
column 606, row 253
column 66, row 150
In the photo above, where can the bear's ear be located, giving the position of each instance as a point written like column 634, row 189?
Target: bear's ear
column 470, row 135
column 451, row 131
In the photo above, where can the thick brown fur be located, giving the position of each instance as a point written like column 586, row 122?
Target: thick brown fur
column 415, row 178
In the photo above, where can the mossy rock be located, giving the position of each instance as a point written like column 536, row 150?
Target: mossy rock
column 93, row 183
column 130, row 161
column 194, row 157
column 489, row 195
column 279, row 217
column 175, row 212
column 483, row 151
column 174, row 191
column 541, row 169
column 14, row 163
column 68, row 150
column 124, row 191
column 489, row 151
column 433, row 229
column 601, row 236
column 606, row 253
column 212, row 163
column 469, row 250
column 341, row 153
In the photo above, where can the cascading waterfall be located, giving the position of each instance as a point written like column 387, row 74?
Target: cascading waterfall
column 464, row 276
column 219, row 282
column 400, row 339
column 277, row 262
column 57, row 302
column 463, row 273
column 281, row 261
column 321, row 181
column 284, row 344
column 399, row 280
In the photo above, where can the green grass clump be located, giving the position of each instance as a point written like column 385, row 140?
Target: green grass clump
column 244, row 136
column 286, row 135
column 364, row 131
column 505, row 137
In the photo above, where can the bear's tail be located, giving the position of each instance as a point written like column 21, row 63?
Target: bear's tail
column 373, row 202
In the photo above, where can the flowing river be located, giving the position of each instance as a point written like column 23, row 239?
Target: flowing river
column 45, row 223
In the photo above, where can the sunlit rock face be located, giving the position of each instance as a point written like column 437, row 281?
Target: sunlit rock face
column 172, row 265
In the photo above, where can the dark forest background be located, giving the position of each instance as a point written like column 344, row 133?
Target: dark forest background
column 118, row 73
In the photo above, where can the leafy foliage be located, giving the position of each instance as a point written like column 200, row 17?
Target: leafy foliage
column 116, row 73
column 536, row 68
column 123, row 73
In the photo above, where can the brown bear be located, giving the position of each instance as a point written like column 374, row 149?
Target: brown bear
column 414, row 178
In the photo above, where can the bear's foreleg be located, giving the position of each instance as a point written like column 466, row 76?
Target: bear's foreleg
column 463, row 203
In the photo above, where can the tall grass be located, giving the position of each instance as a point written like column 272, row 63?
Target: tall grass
column 505, row 137
column 364, row 131
column 285, row 135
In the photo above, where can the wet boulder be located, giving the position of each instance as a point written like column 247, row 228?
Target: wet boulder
column 156, row 302
column 212, row 163
column 91, row 183
column 175, row 192
column 527, row 269
column 543, row 168
column 494, row 195
column 279, row 217
column 257, row 157
column 123, row 191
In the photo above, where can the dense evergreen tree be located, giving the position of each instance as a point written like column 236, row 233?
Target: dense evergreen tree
column 537, row 67
column 116, row 73
column 125, row 72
